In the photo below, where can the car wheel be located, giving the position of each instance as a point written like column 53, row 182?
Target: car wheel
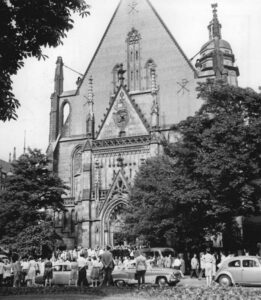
column 162, row 281
column 224, row 281
column 119, row 283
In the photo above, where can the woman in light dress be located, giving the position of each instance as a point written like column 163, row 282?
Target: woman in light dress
column 209, row 267
column 31, row 271
column 96, row 271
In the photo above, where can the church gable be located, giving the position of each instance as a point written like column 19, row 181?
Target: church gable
column 124, row 118
column 136, row 36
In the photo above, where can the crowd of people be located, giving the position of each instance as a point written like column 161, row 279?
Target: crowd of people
column 19, row 271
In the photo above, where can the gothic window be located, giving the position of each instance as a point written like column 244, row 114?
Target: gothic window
column 64, row 124
column 115, row 77
column 66, row 220
column 66, row 112
column 133, row 56
column 76, row 172
column 149, row 66
column 72, row 220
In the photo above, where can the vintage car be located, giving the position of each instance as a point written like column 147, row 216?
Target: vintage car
column 125, row 274
column 157, row 252
column 241, row 270
column 61, row 274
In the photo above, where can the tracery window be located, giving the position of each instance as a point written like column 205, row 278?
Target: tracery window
column 76, row 172
column 150, row 64
column 133, row 58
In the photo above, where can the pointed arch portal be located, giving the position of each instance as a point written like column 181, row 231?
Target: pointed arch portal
column 112, row 214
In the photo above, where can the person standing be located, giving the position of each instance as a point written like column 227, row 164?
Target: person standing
column 182, row 264
column 82, row 264
column 95, row 272
column 108, row 266
column 141, row 268
column 1, row 272
column 7, row 273
column 176, row 263
column 17, row 271
column 194, row 266
column 48, row 272
column 202, row 265
column 209, row 261
column 74, row 272
column 31, row 271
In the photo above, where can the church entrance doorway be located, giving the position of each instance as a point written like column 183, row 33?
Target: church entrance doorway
column 114, row 220
column 116, row 223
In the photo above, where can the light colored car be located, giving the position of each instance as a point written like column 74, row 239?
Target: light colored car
column 61, row 274
column 157, row 252
column 125, row 274
column 242, row 270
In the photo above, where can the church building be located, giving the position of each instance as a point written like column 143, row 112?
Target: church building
column 138, row 84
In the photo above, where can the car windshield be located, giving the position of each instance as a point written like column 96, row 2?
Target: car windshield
column 148, row 253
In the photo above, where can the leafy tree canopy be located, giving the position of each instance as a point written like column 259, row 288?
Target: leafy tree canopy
column 208, row 177
column 31, row 191
column 27, row 26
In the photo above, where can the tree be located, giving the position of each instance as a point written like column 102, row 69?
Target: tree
column 27, row 26
column 220, row 149
column 208, row 177
column 162, row 206
column 31, row 192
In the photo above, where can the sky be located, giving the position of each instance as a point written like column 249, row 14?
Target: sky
column 187, row 20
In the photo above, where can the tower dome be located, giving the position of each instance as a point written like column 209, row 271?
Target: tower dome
column 216, row 56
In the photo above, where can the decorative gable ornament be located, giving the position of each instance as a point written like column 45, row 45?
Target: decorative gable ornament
column 121, row 115
column 133, row 36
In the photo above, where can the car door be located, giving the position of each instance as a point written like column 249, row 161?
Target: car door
column 61, row 274
column 235, row 269
column 57, row 270
column 251, row 271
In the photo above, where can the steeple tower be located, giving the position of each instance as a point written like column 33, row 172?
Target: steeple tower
column 217, row 59
column 90, row 122
column 155, row 105
column 58, row 89
column 214, row 26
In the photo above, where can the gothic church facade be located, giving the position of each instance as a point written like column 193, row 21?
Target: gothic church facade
column 137, row 85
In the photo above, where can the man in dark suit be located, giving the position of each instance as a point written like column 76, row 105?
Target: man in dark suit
column 108, row 266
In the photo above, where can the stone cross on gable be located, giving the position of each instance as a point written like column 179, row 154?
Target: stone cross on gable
column 132, row 7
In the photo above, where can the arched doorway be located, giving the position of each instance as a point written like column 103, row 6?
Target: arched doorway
column 116, row 223
column 113, row 220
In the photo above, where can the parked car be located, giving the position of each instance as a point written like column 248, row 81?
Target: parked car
column 242, row 270
column 125, row 274
column 157, row 252
column 61, row 274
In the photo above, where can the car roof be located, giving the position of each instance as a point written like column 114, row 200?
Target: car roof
column 243, row 257
column 156, row 248
column 62, row 264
